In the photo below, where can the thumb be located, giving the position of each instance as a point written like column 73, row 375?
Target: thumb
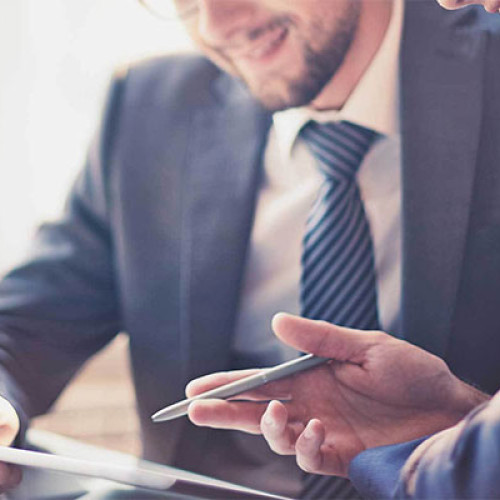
column 324, row 339
column 9, row 422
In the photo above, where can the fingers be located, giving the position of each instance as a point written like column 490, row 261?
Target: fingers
column 286, row 437
column 275, row 390
column 454, row 4
column 315, row 455
column 325, row 339
column 235, row 415
column 209, row 382
column 279, row 433
column 308, row 447
column 10, row 476
column 9, row 423
column 492, row 6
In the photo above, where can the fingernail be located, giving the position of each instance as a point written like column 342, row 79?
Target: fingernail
column 308, row 432
column 268, row 420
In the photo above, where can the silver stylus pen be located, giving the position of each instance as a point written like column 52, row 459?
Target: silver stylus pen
column 246, row 384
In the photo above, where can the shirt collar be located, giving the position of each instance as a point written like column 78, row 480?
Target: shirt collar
column 373, row 103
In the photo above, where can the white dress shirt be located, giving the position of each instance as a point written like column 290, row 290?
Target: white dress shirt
column 273, row 271
column 290, row 185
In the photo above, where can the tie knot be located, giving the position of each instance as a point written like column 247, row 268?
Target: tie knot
column 339, row 147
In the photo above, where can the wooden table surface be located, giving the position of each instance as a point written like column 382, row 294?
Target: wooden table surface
column 102, row 391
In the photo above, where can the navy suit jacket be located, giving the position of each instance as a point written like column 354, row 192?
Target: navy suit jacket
column 153, row 240
column 463, row 462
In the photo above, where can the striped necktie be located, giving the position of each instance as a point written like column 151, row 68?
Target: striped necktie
column 338, row 272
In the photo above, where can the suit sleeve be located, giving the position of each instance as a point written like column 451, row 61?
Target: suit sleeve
column 60, row 305
column 460, row 462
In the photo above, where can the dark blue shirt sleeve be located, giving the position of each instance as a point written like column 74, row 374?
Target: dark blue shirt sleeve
column 376, row 472
column 462, row 462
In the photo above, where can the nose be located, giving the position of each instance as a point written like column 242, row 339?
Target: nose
column 221, row 21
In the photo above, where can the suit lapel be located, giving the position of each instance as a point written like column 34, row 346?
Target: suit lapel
column 441, row 112
column 221, row 181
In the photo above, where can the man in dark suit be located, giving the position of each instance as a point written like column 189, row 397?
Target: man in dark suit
column 344, row 418
column 185, row 227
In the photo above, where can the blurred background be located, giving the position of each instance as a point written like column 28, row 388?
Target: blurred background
column 56, row 58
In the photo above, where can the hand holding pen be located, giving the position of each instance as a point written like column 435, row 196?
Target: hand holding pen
column 376, row 390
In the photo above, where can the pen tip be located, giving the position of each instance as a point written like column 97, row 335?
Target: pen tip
column 156, row 416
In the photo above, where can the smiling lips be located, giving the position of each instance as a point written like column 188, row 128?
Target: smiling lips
column 264, row 46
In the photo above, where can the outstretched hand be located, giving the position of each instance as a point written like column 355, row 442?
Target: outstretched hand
column 10, row 475
column 377, row 390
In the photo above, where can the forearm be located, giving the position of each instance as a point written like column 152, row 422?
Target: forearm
column 461, row 462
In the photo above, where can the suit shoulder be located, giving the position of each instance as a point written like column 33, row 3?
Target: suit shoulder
column 154, row 80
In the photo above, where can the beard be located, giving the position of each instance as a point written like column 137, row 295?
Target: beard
column 320, row 61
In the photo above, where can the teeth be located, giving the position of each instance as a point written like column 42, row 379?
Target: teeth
column 262, row 50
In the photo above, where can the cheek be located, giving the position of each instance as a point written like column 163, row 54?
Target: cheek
column 211, row 54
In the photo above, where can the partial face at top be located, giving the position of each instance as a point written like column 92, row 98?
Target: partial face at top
column 285, row 50
column 492, row 6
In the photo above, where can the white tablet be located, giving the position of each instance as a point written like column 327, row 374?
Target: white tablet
column 175, row 481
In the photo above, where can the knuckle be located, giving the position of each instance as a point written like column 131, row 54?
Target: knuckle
column 275, row 449
column 380, row 336
column 279, row 449
column 322, row 340
column 278, row 446
column 305, row 464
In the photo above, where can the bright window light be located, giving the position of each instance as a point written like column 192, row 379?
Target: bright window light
column 56, row 57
